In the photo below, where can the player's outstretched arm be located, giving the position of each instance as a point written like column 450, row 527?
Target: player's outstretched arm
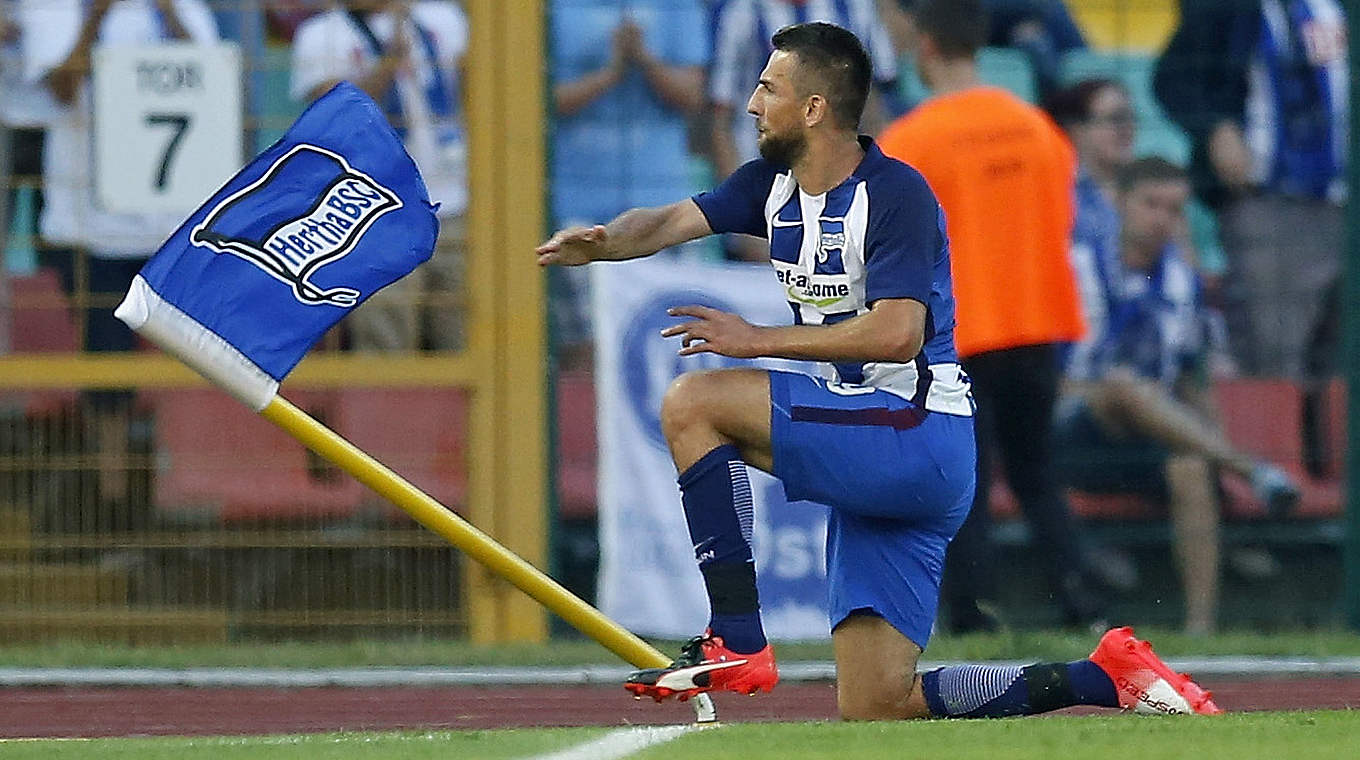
column 634, row 233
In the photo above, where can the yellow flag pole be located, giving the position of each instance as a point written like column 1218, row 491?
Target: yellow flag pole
column 462, row 534
column 473, row 542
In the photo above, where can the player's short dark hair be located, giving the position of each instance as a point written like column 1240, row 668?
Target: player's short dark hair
column 958, row 27
column 1071, row 105
column 1149, row 169
column 836, row 59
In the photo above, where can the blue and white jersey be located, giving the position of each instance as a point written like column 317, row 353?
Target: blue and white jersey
column 879, row 234
column 1151, row 322
column 1297, row 117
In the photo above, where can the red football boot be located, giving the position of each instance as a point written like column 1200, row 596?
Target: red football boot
column 705, row 664
column 1144, row 683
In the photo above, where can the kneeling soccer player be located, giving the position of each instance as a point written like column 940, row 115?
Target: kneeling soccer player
column 858, row 241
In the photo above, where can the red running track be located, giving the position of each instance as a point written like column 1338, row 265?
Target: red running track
column 85, row 712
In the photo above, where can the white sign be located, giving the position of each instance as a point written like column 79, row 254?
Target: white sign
column 167, row 125
column 648, row 578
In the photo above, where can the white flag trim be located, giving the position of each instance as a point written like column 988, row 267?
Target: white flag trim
column 203, row 350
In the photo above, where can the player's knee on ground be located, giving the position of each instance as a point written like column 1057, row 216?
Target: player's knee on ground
column 888, row 697
column 875, row 671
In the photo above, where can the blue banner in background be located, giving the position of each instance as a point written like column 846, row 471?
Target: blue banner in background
column 648, row 579
column 323, row 219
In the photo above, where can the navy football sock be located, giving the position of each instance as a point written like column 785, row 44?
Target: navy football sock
column 716, row 494
column 996, row 691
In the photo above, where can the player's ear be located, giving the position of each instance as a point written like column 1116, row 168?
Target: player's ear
column 816, row 109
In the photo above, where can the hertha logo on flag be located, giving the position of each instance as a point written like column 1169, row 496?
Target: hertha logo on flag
column 292, row 234
column 324, row 218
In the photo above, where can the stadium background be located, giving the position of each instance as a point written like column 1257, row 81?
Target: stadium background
column 228, row 532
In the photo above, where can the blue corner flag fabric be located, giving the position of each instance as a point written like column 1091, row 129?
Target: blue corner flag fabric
column 323, row 219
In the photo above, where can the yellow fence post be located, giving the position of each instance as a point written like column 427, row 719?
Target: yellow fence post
column 508, row 470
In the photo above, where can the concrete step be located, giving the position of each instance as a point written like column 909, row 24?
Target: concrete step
column 114, row 624
column 15, row 535
column 63, row 585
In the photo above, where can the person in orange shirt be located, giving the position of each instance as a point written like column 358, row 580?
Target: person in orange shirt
column 1004, row 174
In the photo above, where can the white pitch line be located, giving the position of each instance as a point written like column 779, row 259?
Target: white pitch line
column 621, row 743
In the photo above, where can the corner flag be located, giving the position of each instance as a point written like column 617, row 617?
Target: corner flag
column 323, row 219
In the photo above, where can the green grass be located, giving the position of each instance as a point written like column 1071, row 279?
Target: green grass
column 1027, row 645
column 1313, row 735
column 1251, row 736
column 407, row 745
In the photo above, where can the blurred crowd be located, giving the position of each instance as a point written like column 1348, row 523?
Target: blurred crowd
column 1204, row 247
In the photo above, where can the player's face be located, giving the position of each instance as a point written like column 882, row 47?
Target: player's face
column 1153, row 213
column 779, row 109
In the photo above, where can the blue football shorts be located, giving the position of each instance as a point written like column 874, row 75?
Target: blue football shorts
column 898, row 480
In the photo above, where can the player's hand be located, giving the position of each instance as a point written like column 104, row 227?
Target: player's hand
column 715, row 332
column 573, row 247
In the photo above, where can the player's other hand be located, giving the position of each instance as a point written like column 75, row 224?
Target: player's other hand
column 573, row 246
column 716, row 332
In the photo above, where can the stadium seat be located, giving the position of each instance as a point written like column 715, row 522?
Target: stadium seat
column 42, row 320
column 1264, row 417
column 576, row 444
column 1008, row 69
column 1336, row 402
column 1260, row 416
column 217, row 461
column 1157, row 134
column 428, row 446
column 42, row 323
column 1000, row 67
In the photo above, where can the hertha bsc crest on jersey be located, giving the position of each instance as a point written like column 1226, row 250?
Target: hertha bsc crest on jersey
column 831, row 246
column 308, row 210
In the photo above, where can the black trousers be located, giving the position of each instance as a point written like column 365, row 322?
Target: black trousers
column 1016, row 390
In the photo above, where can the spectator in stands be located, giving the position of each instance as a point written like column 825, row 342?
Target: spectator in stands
column 59, row 40
column 407, row 56
column 9, row 160
column 1137, row 415
column 283, row 19
column 1260, row 85
column 26, row 110
column 1042, row 29
column 1004, row 174
column 1098, row 116
column 627, row 76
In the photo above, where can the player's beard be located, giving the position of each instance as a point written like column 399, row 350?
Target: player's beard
column 783, row 150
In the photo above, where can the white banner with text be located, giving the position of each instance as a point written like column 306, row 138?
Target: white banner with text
column 648, row 578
